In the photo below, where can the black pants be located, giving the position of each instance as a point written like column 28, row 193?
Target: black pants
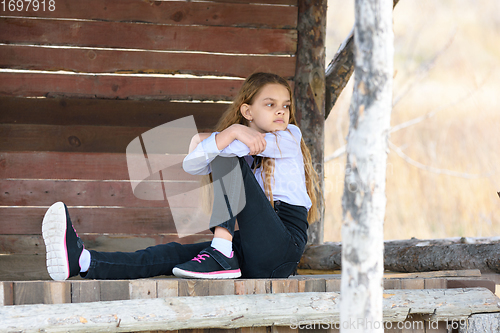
column 269, row 242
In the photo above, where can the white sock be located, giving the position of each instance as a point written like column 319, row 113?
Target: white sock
column 84, row 260
column 223, row 245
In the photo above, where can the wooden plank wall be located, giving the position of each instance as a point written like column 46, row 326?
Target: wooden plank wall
column 79, row 83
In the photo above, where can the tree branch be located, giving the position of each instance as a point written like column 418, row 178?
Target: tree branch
column 423, row 70
column 336, row 154
column 432, row 113
column 432, row 169
column 339, row 70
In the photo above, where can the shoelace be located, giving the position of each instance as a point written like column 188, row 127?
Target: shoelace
column 200, row 257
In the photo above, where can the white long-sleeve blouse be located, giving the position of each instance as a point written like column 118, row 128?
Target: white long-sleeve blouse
column 284, row 146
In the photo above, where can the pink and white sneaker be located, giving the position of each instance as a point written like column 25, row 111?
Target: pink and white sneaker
column 62, row 244
column 209, row 264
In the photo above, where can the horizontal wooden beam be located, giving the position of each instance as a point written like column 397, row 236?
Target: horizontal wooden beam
column 103, row 220
column 101, row 139
column 116, row 86
column 24, row 245
column 147, row 36
column 106, row 112
column 172, row 12
column 47, row 165
column 233, row 311
column 94, row 60
column 95, row 193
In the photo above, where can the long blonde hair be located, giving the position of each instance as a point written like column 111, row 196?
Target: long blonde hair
column 252, row 85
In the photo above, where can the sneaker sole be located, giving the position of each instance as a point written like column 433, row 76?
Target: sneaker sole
column 233, row 274
column 54, row 236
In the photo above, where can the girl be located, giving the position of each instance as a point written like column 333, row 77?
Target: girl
column 258, row 134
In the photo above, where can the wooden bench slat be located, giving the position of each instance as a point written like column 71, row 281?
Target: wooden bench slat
column 29, row 292
column 415, row 283
column 252, row 286
column 103, row 139
column 167, row 288
column 33, row 244
column 116, row 86
column 112, row 290
column 470, row 283
column 28, row 221
column 23, row 267
column 142, row 289
column 106, row 112
column 173, row 13
column 312, row 284
column 148, row 36
column 46, row 165
column 85, row 291
column 433, row 283
column 333, row 284
column 76, row 166
column 111, row 139
column 435, row 274
column 193, row 287
column 6, row 293
column 172, row 286
column 389, row 284
column 94, row 193
column 22, row 244
column 284, row 286
column 221, row 287
column 131, row 62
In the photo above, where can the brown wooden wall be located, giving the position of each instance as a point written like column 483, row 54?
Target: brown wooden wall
column 79, row 83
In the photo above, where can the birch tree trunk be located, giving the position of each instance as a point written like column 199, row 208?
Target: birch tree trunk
column 364, row 200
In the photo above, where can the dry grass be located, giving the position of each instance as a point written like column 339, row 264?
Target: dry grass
column 462, row 136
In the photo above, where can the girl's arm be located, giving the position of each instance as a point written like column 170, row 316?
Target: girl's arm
column 204, row 147
column 280, row 144
column 254, row 140
column 195, row 141
column 239, row 140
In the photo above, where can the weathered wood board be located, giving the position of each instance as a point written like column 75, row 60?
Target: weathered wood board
column 216, row 13
column 148, row 36
column 234, row 311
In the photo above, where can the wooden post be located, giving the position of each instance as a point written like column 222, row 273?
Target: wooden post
column 309, row 89
column 364, row 199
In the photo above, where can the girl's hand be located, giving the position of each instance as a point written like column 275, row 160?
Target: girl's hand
column 253, row 139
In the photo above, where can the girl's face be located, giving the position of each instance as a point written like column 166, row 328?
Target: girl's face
column 270, row 110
